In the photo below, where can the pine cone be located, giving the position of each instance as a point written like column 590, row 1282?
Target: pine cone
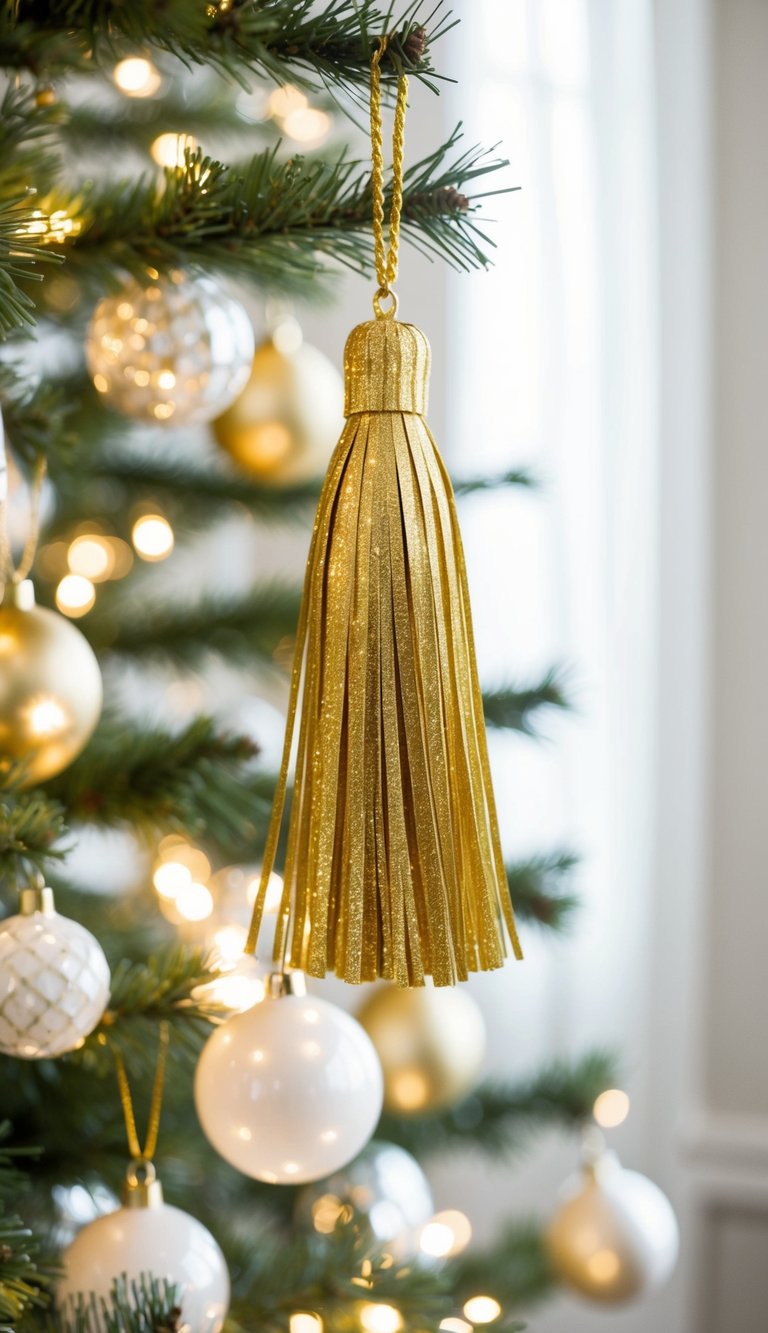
column 437, row 203
column 415, row 45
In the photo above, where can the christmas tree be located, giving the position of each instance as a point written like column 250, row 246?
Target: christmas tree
column 121, row 334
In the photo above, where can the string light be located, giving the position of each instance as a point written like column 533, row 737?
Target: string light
column 75, row 595
column 307, row 125
column 92, row 557
column 611, row 1108
column 381, row 1319
column 283, row 101
column 305, row 1323
column 136, row 77
column 238, row 989
column 274, row 892
column 152, row 537
column 482, row 1309
column 170, row 878
column 448, row 1233
column 194, row 901
column 168, row 149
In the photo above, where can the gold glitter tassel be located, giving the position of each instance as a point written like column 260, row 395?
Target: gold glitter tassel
column 393, row 865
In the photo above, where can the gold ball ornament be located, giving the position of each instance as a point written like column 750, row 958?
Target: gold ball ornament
column 285, row 424
column 431, row 1044
column 50, row 687
column 170, row 350
column 614, row 1237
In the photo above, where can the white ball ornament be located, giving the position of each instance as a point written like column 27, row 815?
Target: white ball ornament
column 170, row 350
column 54, row 980
column 614, row 1237
column 147, row 1237
column 291, row 1090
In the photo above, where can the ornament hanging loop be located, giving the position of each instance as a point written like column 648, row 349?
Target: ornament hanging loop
column 141, row 1158
column 385, row 294
column 386, row 257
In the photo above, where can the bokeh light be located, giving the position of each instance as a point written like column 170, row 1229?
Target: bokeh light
column 136, row 77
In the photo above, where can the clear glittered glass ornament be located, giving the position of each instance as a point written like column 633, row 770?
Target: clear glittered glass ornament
column 147, row 1237
column 384, row 1194
column 54, row 980
column 170, row 350
column 291, row 1090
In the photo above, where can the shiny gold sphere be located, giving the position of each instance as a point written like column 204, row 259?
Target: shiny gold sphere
column 286, row 422
column 50, row 688
column 431, row 1044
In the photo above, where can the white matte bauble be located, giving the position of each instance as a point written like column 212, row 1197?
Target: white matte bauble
column 384, row 1194
column 170, row 350
column 54, row 980
column 161, row 1242
column 289, row 1091
column 615, row 1236
column 50, row 687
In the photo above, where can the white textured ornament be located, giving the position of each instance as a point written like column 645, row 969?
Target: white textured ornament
column 615, row 1236
column 54, row 981
column 171, row 350
column 159, row 1241
column 291, row 1090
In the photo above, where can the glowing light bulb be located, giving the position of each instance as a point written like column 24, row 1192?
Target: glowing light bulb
column 75, row 595
column 170, row 878
column 285, row 100
column 91, row 556
column 448, row 1233
column 237, row 989
column 482, row 1309
column 194, row 902
column 137, row 77
column 228, row 944
column 611, row 1108
column 326, row 1212
column 307, row 125
column 381, row 1319
column 168, row 149
column 305, row 1323
column 152, row 537
column 273, row 896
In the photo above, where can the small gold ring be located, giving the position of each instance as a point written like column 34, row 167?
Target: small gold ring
column 140, row 1172
column 384, row 294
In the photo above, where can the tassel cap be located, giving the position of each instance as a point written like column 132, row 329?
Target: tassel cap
column 386, row 368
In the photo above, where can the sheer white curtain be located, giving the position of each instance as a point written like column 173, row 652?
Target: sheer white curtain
column 552, row 366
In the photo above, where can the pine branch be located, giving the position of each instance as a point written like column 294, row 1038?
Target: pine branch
column 144, row 1305
column 197, row 781
column 516, row 709
column 289, row 40
column 37, row 418
column 22, row 1281
column 278, row 222
column 245, row 630
column 31, row 824
column 515, row 1271
column 500, row 1118
column 536, row 893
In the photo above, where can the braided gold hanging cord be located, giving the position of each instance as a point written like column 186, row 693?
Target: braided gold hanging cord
column 386, row 259
column 145, row 1154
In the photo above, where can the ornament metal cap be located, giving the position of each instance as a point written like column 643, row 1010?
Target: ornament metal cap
column 141, row 1188
column 280, row 984
column 21, row 595
column 386, row 368
column 36, row 897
